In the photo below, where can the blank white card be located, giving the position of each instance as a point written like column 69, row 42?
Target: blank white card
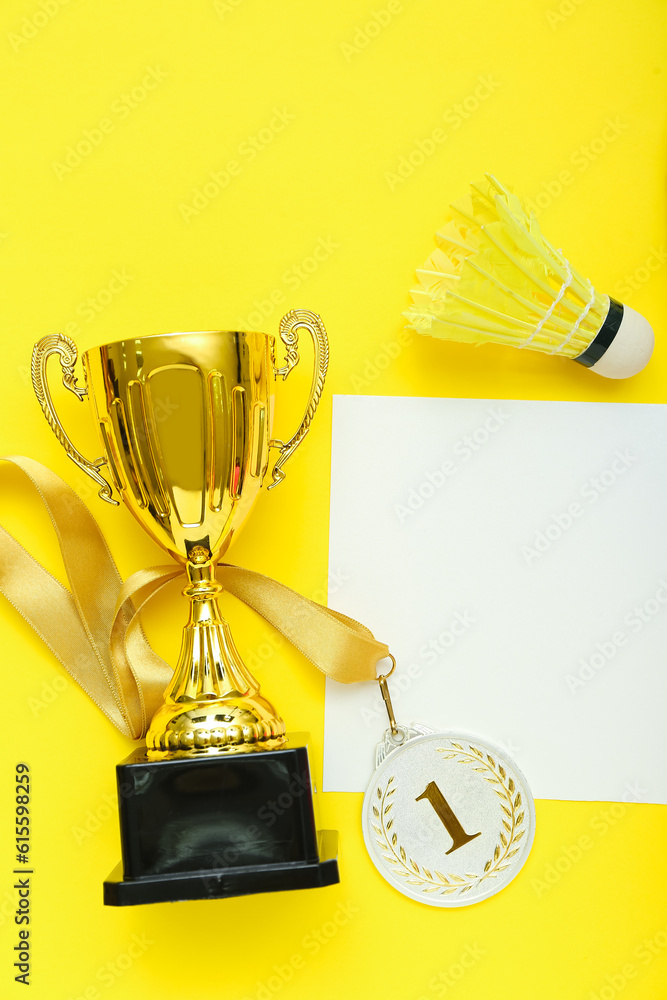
column 513, row 555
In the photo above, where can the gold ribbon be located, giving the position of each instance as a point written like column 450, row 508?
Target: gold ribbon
column 95, row 631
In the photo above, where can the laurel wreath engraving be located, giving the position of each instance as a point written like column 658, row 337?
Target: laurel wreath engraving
column 435, row 881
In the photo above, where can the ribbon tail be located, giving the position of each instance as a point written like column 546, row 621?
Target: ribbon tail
column 339, row 646
column 94, row 630
column 51, row 611
column 132, row 655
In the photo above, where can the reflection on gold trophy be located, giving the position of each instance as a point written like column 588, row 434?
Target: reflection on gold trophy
column 185, row 422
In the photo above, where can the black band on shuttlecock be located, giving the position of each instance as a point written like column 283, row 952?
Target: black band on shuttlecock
column 608, row 331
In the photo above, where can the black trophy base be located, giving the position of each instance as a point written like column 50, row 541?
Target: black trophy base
column 215, row 825
column 225, row 882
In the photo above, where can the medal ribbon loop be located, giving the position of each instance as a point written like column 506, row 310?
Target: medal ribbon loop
column 94, row 628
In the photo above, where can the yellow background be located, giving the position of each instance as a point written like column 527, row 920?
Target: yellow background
column 361, row 98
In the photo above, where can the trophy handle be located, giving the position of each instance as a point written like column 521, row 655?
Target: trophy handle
column 289, row 334
column 66, row 350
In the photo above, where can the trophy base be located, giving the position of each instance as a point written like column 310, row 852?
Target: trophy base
column 222, row 883
column 215, row 825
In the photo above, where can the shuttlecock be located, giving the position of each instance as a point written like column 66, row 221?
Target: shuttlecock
column 495, row 279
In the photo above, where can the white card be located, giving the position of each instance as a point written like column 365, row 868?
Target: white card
column 513, row 554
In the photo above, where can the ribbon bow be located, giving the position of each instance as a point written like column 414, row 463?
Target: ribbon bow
column 95, row 631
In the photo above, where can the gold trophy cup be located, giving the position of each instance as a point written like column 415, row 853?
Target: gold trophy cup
column 185, row 424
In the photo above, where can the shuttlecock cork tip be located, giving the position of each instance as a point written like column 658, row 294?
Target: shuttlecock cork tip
column 622, row 347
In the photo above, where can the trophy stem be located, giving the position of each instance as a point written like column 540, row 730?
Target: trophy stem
column 213, row 703
column 209, row 665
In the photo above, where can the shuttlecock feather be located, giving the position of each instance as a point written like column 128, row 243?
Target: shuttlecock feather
column 495, row 279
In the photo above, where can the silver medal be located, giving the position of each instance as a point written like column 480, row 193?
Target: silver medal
column 448, row 819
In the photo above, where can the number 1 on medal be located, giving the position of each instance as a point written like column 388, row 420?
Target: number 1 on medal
column 447, row 817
